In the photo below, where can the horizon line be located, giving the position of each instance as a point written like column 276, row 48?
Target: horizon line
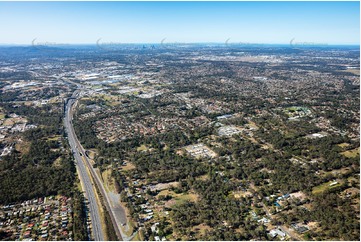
column 299, row 44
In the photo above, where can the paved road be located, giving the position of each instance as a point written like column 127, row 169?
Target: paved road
column 98, row 234
column 116, row 211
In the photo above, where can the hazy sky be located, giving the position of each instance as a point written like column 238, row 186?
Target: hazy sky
column 147, row 22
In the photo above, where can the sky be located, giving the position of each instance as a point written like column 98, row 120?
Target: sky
column 180, row 22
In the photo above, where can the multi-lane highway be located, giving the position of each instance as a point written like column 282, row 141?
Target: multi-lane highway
column 116, row 211
column 84, row 176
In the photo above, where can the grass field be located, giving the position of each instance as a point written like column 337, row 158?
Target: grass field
column 111, row 100
column 178, row 199
column 129, row 166
column 294, row 111
column 351, row 153
column 186, row 197
column 57, row 162
column 201, row 228
column 23, row 147
column 202, row 178
column 334, row 172
column 108, row 180
column 54, row 138
column 343, row 145
column 353, row 179
column 136, row 237
column 323, row 187
column 92, row 153
column 240, row 194
column 9, row 122
column 142, row 148
column 96, row 87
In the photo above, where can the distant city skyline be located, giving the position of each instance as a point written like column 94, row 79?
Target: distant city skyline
column 298, row 23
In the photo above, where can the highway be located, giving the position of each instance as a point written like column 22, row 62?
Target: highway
column 116, row 212
column 94, row 211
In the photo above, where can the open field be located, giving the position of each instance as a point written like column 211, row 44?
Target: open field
column 137, row 237
column 186, row 197
column 343, row 145
column 54, row 138
column 297, row 112
column 92, row 153
column 351, row 153
column 57, row 162
column 252, row 125
column 201, row 228
column 163, row 186
column 203, row 177
column 353, row 71
column 142, row 148
column 108, row 180
column 323, row 187
column 23, row 147
column 240, row 194
column 128, row 166
column 9, row 122
column 178, row 199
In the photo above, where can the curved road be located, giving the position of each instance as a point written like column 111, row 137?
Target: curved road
column 116, row 211
column 88, row 186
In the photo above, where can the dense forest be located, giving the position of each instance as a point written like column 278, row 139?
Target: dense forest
column 33, row 173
